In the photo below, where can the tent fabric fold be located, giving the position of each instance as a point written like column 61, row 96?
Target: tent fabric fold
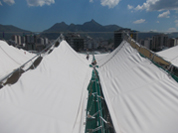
column 50, row 98
column 12, row 58
column 140, row 96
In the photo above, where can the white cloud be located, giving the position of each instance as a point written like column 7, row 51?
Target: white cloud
column 0, row 3
column 164, row 14
column 110, row 3
column 172, row 30
column 40, row 2
column 130, row 7
column 147, row 5
column 158, row 5
column 9, row 2
column 139, row 7
column 139, row 21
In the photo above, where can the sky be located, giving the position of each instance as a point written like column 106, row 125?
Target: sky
column 141, row 15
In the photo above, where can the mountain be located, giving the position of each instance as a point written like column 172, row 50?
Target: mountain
column 173, row 35
column 10, row 30
column 151, row 34
column 94, row 29
column 147, row 35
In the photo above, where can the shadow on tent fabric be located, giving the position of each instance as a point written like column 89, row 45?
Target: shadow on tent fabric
column 17, row 74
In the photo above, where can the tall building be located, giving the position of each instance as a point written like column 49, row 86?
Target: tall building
column 46, row 41
column 30, row 42
column 175, row 41
column 141, row 42
column 75, row 41
column 120, row 35
column 171, row 42
column 30, row 39
column 146, row 43
column 19, row 40
column 40, row 41
column 15, row 39
column 159, row 42
column 23, row 39
column 78, row 43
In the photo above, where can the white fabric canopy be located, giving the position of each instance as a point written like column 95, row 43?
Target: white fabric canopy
column 90, row 59
column 11, row 58
column 51, row 98
column 140, row 96
column 100, row 57
column 170, row 55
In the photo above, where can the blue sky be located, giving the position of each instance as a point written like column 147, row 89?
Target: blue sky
column 142, row 15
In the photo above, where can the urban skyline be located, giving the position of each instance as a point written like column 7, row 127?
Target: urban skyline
column 141, row 15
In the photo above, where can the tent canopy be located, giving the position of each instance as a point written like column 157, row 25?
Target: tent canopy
column 51, row 98
column 140, row 96
column 170, row 55
column 11, row 58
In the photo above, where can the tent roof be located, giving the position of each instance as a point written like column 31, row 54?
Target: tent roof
column 100, row 57
column 140, row 96
column 11, row 58
column 51, row 98
column 170, row 55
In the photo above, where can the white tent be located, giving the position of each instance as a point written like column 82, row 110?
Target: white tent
column 11, row 58
column 140, row 96
column 90, row 58
column 100, row 57
column 170, row 55
column 51, row 98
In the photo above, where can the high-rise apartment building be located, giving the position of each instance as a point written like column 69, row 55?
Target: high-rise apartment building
column 15, row 39
column 121, row 34
column 75, row 41
column 159, row 42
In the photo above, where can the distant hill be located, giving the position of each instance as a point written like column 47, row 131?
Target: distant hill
column 147, row 35
column 92, row 27
column 10, row 30
column 151, row 34
column 173, row 35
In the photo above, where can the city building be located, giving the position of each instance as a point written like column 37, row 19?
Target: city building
column 15, row 39
column 147, row 42
column 40, row 41
column 78, row 43
column 171, row 42
column 75, row 41
column 30, row 42
column 46, row 41
column 120, row 35
column 23, row 39
column 19, row 40
column 175, row 41
column 159, row 42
